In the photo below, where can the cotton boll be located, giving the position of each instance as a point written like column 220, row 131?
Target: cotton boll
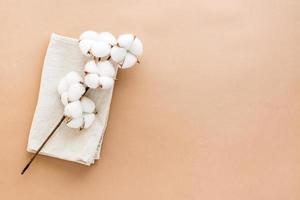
column 108, row 37
column 129, row 61
column 118, row 54
column 85, row 46
column 91, row 67
column 62, row 86
column 88, row 119
column 73, row 77
column 90, row 35
column 92, row 80
column 76, row 122
column 125, row 40
column 106, row 82
column 73, row 109
column 136, row 47
column 106, row 69
column 75, row 91
column 101, row 48
column 87, row 105
column 64, row 98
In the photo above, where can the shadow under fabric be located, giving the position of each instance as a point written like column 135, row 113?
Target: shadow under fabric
column 63, row 56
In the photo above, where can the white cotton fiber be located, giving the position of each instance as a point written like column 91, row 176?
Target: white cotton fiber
column 90, row 35
column 101, row 49
column 106, row 82
column 88, row 119
column 73, row 109
column 136, row 47
column 118, row 54
column 91, row 67
column 125, row 40
column 73, row 77
column 85, row 46
column 129, row 61
column 87, row 105
column 76, row 122
column 92, row 80
column 75, row 91
column 62, row 86
column 106, row 68
column 108, row 37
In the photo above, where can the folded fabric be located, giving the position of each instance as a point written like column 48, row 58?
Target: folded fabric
column 63, row 55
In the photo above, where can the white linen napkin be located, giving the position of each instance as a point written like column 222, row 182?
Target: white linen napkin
column 63, row 55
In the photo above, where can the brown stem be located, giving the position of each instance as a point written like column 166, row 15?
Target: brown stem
column 46, row 140
column 38, row 151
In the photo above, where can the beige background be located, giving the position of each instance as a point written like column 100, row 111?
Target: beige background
column 212, row 112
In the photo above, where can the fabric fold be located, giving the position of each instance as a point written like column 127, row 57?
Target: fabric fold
column 63, row 55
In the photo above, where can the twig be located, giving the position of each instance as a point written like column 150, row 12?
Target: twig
column 46, row 140
column 38, row 151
